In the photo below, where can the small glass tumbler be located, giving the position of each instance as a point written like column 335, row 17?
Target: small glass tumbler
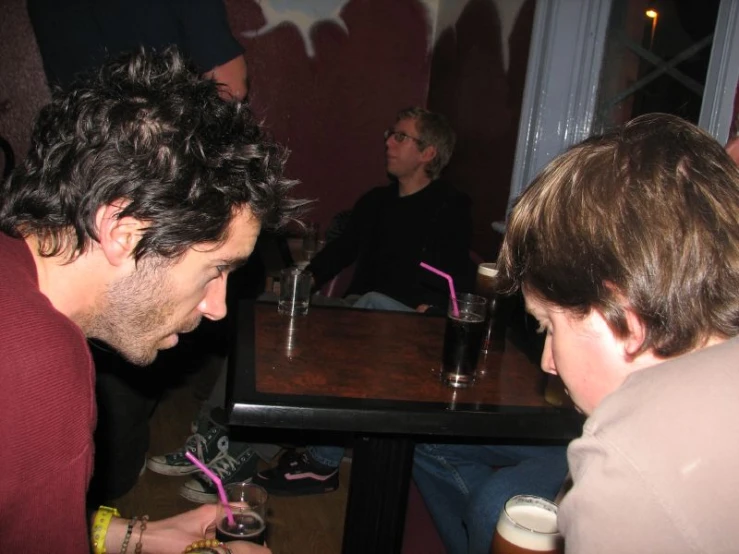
column 248, row 505
column 310, row 241
column 295, row 287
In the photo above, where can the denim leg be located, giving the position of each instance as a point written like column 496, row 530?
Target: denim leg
column 379, row 301
column 327, row 455
column 465, row 493
column 444, row 492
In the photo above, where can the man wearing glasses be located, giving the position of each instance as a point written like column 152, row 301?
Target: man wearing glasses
column 392, row 229
column 417, row 217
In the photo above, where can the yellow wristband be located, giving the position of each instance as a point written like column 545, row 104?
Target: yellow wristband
column 100, row 528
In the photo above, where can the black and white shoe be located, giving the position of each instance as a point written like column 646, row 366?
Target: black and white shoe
column 298, row 474
column 229, row 467
column 202, row 443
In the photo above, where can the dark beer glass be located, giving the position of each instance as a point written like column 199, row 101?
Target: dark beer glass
column 494, row 337
column 527, row 525
column 248, row 526
column 462, row 340
column 248, row 504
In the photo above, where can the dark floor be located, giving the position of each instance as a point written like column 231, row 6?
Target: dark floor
column 307, row 525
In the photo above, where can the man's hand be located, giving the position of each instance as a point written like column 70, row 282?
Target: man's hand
column 232, row 75
column 174, row 534
column 421, row 308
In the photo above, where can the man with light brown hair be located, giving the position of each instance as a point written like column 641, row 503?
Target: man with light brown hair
column 626, row 249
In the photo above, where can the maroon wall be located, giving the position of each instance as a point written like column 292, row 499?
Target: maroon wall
column 331, row 109
column 735, row 118
column 22, row 85
column 470, row 84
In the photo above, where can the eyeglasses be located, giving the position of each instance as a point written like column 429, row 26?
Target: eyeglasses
column 400, row 136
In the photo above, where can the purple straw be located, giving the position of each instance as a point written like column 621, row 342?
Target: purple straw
column 455, row 308
column 219, row 486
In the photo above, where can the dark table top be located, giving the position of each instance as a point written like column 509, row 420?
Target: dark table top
column 366, row 371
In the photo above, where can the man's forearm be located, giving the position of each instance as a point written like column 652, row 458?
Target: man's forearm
column 232, row 75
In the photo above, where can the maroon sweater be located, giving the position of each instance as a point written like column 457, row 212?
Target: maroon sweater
column 47, row 415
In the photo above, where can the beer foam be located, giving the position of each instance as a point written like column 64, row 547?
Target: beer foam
column 531, row 524
column 488, row 269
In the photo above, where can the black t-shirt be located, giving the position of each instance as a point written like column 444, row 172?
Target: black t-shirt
column 77, row 35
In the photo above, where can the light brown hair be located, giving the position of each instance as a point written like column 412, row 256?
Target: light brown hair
column 645, row 216
column 433, row 130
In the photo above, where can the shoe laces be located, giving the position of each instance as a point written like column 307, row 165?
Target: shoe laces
column 223, row 464
column 196, row 443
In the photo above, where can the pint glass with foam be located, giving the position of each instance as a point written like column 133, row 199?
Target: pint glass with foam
column 527, row 525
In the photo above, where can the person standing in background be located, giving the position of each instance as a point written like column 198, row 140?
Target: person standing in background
column 74, row 37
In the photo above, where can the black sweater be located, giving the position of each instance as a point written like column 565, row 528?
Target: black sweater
column 388, row 236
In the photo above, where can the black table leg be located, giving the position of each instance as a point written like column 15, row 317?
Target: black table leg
column 378, row 495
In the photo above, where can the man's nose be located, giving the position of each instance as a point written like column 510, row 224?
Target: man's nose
column 213, row 306
column 547, row 358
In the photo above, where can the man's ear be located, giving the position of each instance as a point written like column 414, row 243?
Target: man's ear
column 117, row 236
column 428, row 154
column 636, row 330
column 636, row 334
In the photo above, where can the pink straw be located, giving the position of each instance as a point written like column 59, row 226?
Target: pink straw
column 449, row 279
column 219, row 486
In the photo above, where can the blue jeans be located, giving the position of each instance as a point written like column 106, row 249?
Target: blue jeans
column 466, row 486
column 327, row 455
column 379, row 301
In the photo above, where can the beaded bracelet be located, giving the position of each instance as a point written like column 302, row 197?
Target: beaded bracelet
column 100, row 526
column 139, row 545
column 209, row 546
column 129, row 532
column 202, row 543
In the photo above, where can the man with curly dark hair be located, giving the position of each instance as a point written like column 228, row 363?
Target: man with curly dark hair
column 74, row 37
column 141, row 192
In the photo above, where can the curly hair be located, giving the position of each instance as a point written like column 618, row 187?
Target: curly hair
column 148, row 132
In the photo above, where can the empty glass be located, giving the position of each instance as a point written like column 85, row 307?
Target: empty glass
column 295, row 287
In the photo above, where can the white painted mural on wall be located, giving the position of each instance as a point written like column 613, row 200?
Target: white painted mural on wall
column 304, row 14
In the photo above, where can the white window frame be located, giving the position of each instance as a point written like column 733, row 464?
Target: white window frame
column 563, row 73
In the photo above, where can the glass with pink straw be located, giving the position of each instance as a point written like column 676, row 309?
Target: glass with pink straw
column 242, row 510
column 216, row 481
column 465, row 326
